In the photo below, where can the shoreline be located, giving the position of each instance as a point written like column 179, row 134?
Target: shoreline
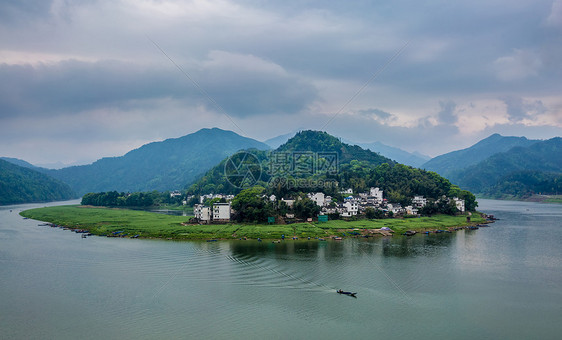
column 124, row 223
column 546, row 199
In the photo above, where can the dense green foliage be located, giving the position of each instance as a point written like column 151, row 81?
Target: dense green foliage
column 451, row 162
column 166, row 165
column 106, row 221
column 135, row 199
column 517, row 171
column 23, row 185
column 357, row 169
column 319, row 141
column 526, row 183
column 250, row 206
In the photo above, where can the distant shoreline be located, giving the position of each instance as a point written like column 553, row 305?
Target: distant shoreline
column 551, row 199
column 112, row 222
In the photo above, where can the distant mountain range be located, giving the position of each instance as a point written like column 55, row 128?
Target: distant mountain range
column 22, row 184
column 493, row 166
column 520, row 171
column 166, row 165
column 414, row 159
column 452, row 162
column 20, row 162
column 276, row 142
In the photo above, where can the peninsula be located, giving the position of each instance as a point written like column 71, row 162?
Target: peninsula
column 114, row 222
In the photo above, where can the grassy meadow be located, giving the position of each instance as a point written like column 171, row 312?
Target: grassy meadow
column 106, row 221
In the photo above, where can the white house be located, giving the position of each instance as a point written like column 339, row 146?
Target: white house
column 319, row 198
column 410, row 210
column 221, row 212
column 459, row 203
column 419, row 201
column 376, row 193
column 351, row 207
column 202, row 213
column 396, row 208
column 289, row 202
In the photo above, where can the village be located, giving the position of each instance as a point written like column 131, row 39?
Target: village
column 353, row 206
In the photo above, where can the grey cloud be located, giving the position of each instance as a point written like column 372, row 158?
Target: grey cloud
column 518, row 109
column 447, row 114
column 382, row 115
column 74, row 86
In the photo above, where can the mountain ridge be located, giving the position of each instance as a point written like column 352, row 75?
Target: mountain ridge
column 20, row 184
column 457, row 160
column 162, row 165
column 541, row 156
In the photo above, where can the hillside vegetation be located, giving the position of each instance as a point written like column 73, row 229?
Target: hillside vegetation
column 166, row 165
column 519, row 172
column 357, row 168
column 23, row 185
column 452, row 162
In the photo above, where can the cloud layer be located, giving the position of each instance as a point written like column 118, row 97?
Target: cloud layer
column 93, row 78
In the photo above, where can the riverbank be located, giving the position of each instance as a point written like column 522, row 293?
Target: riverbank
column 555, row 199
column 114, row 222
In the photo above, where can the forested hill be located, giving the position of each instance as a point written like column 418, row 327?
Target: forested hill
column 23, row 185
column 319, row 141
column 358, row 169
column 165, row 165
column 454, row 161
column 305, row 146
column 519, row 171
column 21, row 163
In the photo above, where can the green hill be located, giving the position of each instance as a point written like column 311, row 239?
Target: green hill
column 357, row 168
column 23, row 185
column 165, row 165
column 301, row 156
column 451, row 162
column 532, row 168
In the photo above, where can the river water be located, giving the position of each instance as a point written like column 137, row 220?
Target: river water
column 500, row 282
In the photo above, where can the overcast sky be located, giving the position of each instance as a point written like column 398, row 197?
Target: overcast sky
column 85, row 79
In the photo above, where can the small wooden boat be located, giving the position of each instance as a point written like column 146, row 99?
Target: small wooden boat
column 339, row 291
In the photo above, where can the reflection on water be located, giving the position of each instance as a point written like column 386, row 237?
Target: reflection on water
column 498, row 282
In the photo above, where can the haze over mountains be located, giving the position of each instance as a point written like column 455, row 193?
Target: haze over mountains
column 501, row 166
column 453, row 161
column 495, row 165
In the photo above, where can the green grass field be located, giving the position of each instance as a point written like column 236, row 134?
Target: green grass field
column 105, row 221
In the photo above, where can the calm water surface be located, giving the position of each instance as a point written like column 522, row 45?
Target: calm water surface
column 499, row 282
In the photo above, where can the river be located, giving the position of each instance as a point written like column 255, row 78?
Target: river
column 500, row 282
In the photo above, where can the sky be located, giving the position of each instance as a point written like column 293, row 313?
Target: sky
column 86, row 79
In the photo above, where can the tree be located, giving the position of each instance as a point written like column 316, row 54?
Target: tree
column 250, row 206
column 305, row 208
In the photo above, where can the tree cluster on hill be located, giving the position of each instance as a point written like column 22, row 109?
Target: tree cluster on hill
column 356, row 168
column 23, row 185
column 135, row 199
column 526, row 183
column 518, row 172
